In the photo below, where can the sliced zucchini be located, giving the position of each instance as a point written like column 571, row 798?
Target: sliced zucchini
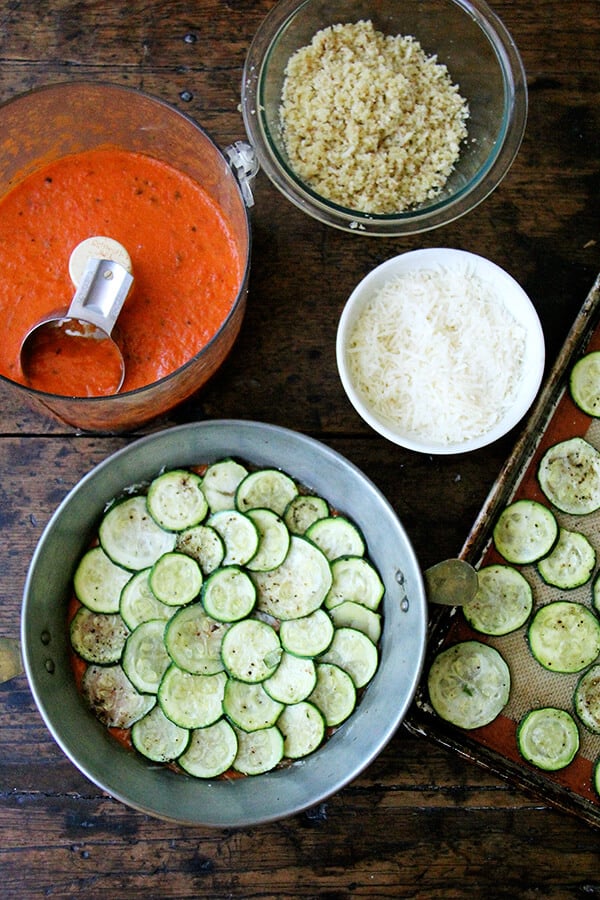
column 259, row 751
column 596, row 592
column 138, row 604
column 584, row 383
column 548, row 738
column 191, row 701
column 469, row 684
column 98, row 637
column 564, row 636
column 354, row 615
column 293, row 680
column 157, row 738
column 596, row 776
column 571, row 561
column 229, row 594
column 307, row 636
column 248, row 706
column 220, row 483
column 204, row 544
column 525, row 532
column 337, row 536
column 145, row 659
column 569, row 476
column 503, row 602
column 175, row 579
column 211, row 750
column 355, row 653
column 303, row 510
column 130, row 536
column 354, row 578
column 176, row 500
column 251, row 650
column 98, row 581
column 334, row 694
column 193, row 640
column 112, row 697
column 273, row 540
column 298, row 586
column 586, row 699
column 266, row 489
column 239, row 534
column 303, row 729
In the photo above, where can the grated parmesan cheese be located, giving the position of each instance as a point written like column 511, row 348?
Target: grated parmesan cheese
column 369, row 120
column 436, row 353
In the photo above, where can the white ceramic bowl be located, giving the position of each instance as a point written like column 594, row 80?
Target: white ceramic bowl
column 516, row 302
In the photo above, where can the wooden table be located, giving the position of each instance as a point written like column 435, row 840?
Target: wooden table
column 420, row 822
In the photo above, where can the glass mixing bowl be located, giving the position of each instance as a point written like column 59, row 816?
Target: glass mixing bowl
column 465, row 35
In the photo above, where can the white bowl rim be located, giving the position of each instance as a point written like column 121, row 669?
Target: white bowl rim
column 517, row 301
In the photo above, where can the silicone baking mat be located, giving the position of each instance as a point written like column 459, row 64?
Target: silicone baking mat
column 553, row 418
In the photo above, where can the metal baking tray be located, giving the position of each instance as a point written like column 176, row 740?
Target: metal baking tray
column 554, row 417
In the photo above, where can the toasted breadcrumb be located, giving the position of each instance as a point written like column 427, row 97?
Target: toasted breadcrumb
column 369, row 121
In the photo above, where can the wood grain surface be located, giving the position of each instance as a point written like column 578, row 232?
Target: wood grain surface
column 420, row 822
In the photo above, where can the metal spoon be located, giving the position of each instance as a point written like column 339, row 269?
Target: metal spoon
column 101, row 270
column 452, row 582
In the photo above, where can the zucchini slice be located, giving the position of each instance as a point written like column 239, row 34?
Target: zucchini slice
column 113, row 698
column 307, row 636
column 204, row 544
column 249, row 707
column 239, row 535
column 586, row 699
column 584, row 383
column 525, row 532
column 251, row 650
column 303, row 511
column 130, row 536
column 145, row 659
column 334, row 694
column 98, row 637
column 273, row 540
column 503, row 602
column 98, row 581
column 266, row 489
column 564, row 636
column 354, row 578
column 175, row 579
column 138, row 604
column 176, row 500
column 259, row 751
column 569, row 476
column 303, row 729
column 211, row 750
column 229, row 594
column 220, row 483
column 193, row 640
column 298, row 586
column 354, row 615
column 157, row 738
column 191, row 701
column 293, row 680
column 355, row 653
column 570, row 563
column 337, row 536
column 548, row 738
column 469, row 684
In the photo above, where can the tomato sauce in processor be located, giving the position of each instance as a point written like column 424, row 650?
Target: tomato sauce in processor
column 186, row 265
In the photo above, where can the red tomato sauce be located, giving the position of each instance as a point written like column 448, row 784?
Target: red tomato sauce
column 186, row 265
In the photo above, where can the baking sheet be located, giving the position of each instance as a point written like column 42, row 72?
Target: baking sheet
column 553, row 418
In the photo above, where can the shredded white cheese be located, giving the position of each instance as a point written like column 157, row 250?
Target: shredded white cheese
column 436, row 354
